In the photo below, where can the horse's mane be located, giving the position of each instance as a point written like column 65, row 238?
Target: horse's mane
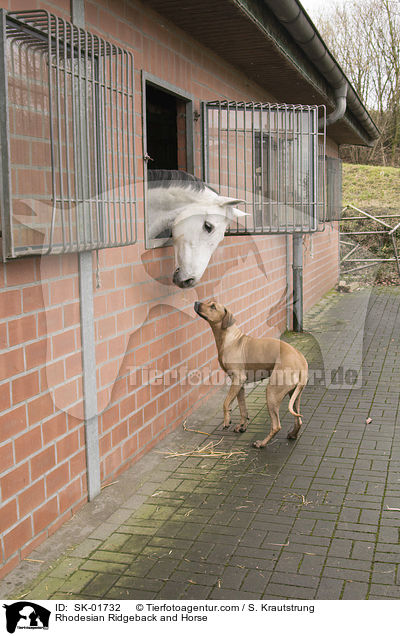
column 168, row 178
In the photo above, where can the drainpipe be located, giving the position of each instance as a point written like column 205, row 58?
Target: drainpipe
column 88, row 339
column 298, row 282
column 293, row 18
column 341, row 105
column 287, row 244
column 335, row 115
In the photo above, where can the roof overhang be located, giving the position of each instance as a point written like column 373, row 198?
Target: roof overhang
column 256, row 37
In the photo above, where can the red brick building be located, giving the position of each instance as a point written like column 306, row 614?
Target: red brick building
column 74, row 398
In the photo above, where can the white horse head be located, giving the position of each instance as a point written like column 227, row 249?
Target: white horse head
column 196, row 216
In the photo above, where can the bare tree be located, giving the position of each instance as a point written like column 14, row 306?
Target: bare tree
column 364, row 37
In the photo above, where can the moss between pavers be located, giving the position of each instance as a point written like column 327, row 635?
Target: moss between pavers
column 162, row 512
column 145, row 512
column 154, row 511
column 151, row 585
column 76, row 582
column 169, row 542
column 161, row 569
column 136, row 543
column 170, row 484
column 141, row 566
column 188, row 485
column 85, row 548
column 100, row 585
column 189, row 531
column 111, row 557
column 45, row 588
column 142, row 526
column 115, row 541
column 66, row 566
column 104, row 567
column 123, row 594
column 157, row 552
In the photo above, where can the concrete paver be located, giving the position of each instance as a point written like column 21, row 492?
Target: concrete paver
column 317, row 518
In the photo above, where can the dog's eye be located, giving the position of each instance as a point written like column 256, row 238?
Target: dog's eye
column 208, row 227
column 213, row 306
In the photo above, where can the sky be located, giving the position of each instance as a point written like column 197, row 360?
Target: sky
column 314, row 6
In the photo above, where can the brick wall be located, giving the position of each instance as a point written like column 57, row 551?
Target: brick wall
column 321, row 264
column 141, row 320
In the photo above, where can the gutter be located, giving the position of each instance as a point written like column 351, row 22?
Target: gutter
column 295, row 20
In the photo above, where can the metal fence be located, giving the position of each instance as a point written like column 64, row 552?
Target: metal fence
column 273, row 157
column 67, row 138
column 354, row 248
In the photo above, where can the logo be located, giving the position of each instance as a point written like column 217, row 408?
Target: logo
column 26, row 615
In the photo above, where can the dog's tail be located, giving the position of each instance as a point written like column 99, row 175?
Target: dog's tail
column 300, row 386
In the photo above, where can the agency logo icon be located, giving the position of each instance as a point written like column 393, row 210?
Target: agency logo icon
column 26, row 615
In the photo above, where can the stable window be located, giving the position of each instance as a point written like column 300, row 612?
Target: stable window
column 67, row 138
column 267, row 155
column 167, row 134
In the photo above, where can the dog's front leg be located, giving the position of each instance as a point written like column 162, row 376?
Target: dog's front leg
column 244, row 419
column 237, row 384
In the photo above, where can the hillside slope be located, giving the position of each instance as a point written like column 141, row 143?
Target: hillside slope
column 372, row 188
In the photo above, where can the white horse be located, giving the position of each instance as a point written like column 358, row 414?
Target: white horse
column 182, row 206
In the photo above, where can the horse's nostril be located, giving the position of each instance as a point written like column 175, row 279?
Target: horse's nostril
column 189, row 282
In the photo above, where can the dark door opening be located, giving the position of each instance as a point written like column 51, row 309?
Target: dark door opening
column 165, row 130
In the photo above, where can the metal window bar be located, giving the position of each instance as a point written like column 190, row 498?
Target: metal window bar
column 67, row 138
column 268, row 155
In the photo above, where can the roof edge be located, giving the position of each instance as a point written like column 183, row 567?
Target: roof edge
column 293, row 17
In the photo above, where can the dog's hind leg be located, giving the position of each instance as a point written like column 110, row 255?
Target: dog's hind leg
column 244, row 419
column 275, row 395
column 297, row 421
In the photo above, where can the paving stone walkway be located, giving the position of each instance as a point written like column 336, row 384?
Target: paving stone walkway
column 317, row 518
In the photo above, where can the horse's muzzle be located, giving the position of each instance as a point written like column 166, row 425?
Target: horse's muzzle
column 182, row 282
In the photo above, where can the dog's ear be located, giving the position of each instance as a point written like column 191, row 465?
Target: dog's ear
column 227, row 320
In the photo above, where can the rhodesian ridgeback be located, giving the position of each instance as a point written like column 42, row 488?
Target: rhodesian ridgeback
column 246, row 359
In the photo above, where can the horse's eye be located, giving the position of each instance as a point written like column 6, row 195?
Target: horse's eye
column 208, row 227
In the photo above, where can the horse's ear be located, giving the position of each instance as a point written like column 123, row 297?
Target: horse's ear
column 227, row 320
column 225, row 202
column 237, row 213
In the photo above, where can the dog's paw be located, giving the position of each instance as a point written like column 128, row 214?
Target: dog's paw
column 292, row 436
column 242, row 428
column 258, row 444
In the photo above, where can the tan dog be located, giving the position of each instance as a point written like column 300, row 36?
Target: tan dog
column 245, row 358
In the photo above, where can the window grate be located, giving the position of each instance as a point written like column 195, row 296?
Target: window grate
column 67, row 138
column 268, row 155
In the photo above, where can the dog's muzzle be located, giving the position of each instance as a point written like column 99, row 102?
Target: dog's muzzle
column 196, row 308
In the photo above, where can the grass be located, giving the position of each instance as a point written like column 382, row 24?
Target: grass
column 372, row 188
